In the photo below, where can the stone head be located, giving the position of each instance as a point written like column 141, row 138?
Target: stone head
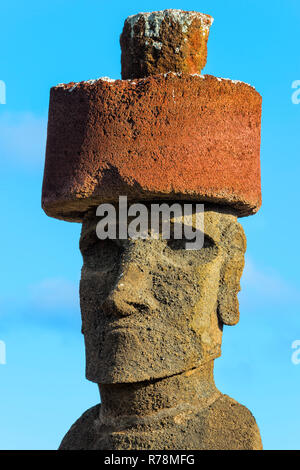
column 152, row 309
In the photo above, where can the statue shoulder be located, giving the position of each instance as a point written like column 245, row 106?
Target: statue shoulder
column 230, row 425
column 81, row 435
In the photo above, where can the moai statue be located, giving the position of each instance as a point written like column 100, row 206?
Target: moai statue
column 152, row 311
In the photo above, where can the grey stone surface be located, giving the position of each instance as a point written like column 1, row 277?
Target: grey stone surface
column 152, row 319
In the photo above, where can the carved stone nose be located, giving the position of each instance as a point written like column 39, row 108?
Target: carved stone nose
column 131, row 293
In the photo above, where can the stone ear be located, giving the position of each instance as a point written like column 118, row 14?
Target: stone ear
column 231, row 272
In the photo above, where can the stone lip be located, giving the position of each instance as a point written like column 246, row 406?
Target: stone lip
column 162, row 41
column 165, row 137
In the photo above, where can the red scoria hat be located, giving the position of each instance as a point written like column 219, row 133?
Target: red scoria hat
column 163, row 132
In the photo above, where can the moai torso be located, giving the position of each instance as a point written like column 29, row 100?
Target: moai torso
column 219, row 424
column 152, row 311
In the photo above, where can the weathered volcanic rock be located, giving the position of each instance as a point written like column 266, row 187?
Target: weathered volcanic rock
column 224, row 425
column 181, row 412
column 169, row 136
column 152, row 318
column 164, row 41
column 134, row 291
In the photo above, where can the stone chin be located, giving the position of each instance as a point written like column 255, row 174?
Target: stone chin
column 139, row 353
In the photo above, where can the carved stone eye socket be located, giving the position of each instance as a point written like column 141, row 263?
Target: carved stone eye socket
column 206, row 254
column 174, row 244
column 102, row 255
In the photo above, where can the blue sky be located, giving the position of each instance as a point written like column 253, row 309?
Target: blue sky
column 42, row 385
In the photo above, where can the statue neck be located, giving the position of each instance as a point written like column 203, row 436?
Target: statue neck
column 191, row 390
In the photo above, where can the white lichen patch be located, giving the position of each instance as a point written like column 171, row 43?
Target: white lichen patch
column 157, row 45
column 198, row 75
column 154, row 20
column 235, row 82
column 177, row 74
column 106, row 79
column 135, row 82
column 90, row 82
column 72, row 88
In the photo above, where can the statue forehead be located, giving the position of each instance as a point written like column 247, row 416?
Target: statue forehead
column 216, row 222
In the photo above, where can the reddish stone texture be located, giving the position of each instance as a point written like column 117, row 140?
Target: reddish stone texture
column 164, row 41
column 176, row 137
